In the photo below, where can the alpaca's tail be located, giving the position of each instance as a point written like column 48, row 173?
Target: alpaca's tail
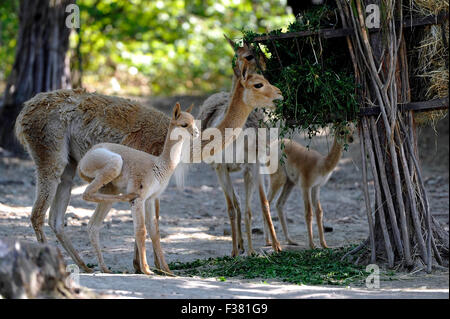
column 18, row 129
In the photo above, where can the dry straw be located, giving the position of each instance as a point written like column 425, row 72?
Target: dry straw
column 432, row 54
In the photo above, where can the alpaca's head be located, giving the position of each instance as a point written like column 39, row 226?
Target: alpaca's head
column 184, row 120
column 344, row 133
column 258, row 92
column 245, row 53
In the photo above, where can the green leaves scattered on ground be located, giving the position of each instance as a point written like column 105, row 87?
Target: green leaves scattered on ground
column 313, row 267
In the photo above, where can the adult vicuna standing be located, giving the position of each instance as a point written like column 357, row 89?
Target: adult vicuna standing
column 212, row 111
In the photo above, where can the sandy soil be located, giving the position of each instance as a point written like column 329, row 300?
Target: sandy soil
column 194, row 224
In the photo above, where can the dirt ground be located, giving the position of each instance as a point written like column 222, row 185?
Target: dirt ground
column 194, row 224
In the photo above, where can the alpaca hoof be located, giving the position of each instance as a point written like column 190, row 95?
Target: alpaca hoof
column 137, row 267
column 88, row 270
column 324, row 245
column 251, row 252
column 130, row 197
column 277, row 247
column 106, row 270
column 147, row 271
column 234, row 253
column 168, row 272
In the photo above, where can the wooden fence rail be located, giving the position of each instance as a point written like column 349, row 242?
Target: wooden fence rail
column 408, row 22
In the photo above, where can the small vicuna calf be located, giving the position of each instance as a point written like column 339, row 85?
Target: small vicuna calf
column 309, row 170
column 119, row 173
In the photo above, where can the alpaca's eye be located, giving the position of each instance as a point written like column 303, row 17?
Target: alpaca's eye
column 249, row 57
column 258, row 85
column 184, row 125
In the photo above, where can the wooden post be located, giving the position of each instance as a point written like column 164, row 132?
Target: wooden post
column 402, row 215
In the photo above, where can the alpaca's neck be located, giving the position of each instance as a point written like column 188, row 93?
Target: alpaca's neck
column 171, row 154
column 234, row 82
column 333, row 157
column 235, row 117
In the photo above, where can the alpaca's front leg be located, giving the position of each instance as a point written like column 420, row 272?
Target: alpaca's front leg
column 228, row 192
column 281, row 202
column 148, row 204
column 136, row 264
column 151, row 222
column 266, row 214
column 137, row 210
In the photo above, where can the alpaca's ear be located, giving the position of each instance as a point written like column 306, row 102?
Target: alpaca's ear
column 189, row 109
column 262, row 61
column 231, row 42
column 176, row 111
column 244, row 69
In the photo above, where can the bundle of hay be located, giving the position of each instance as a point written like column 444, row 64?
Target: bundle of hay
column 430, row 63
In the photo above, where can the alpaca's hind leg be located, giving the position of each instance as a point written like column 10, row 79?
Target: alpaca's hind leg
column 249, row 183
column 237, row 208
column 315, row 194
column 112, row 168
column 45, row 192
column 58, row 210
column 94, row 226
column 221, row 176
column 306, row 192
column 138, row 212
column 91, row 193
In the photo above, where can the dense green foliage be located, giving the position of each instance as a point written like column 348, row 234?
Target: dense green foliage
column 317, row 266
column 156, row 47
column 314, row 74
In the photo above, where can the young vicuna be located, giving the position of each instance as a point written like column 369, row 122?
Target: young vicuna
column 309, row 170
column 139, row 176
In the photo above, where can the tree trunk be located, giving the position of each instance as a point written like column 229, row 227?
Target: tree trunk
column 36, row 271
column 403, row 232
column 40, row 63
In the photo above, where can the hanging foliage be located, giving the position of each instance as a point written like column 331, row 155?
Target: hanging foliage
column 314, row 74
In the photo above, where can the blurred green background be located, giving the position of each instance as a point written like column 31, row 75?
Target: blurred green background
column 145, row 47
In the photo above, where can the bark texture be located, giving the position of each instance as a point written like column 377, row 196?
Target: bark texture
column 31, row 270
column 40, row 61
